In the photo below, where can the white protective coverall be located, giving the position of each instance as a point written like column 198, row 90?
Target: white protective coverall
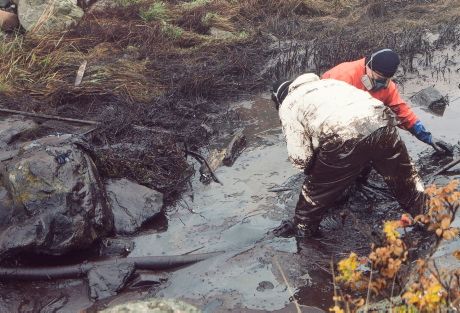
column 333, row 131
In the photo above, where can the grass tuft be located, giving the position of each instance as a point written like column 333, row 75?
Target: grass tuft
column 155, row 12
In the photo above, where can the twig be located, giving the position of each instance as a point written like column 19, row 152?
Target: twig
column 49, row 117
column 74, row 120
column 287, row 285
column 368, row 291
column 334, row 283
column 88, row 131
column 201, row 159
column 437, row 275
column 391, row 294
column 194, row 250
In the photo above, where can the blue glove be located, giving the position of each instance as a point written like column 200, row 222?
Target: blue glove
column 419, row 131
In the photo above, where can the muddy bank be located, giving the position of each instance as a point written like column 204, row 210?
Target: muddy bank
column 236, row 216
column 169, row 72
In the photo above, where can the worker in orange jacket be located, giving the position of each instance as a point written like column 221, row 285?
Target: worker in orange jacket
column 373, row 74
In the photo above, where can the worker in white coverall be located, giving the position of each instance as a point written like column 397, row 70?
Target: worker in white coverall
column 334, row 130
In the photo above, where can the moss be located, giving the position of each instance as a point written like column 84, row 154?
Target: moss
column 156, row 12
column 172, row 31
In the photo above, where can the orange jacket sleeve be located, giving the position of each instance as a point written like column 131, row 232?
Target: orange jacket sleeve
column 391, row 98
column 351, row 72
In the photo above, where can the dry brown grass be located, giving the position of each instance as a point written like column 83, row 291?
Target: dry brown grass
column 162, row 57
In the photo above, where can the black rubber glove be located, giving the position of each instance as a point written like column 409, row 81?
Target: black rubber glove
column 442, row 147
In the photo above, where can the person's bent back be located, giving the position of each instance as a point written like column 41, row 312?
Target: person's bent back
column 317, row 112
column 333, row 131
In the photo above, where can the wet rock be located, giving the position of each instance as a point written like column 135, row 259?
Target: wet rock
column 116, row 247
column 106, row 281
column 35, row 15
column 6, row 208
column 432, row 99
column 13, row 127
column 265, row 285
column 8, row 21
column 132, row 204
column 56, row 207
column 153, row 305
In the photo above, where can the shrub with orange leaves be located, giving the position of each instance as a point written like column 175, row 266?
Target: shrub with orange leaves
column 431, row 292
column 443, row 204
column 428, row 293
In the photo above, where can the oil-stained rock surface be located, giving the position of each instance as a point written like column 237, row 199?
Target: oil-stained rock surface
column 58, row 202
column 132, row 204
column 105, row 281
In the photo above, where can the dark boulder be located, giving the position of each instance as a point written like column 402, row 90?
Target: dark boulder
column 58, row 202
column 431, row 99
column 106, row 280
column 132, row 204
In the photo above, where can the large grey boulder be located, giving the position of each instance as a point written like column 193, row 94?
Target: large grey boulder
column 58, row 202
column 12, row 127
column 132, row 204
column 45, row 16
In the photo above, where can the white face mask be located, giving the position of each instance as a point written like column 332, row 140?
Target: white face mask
column 372, row 84
column 367, row 82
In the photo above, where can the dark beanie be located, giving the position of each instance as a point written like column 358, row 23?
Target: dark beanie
column 384, row 61
column 279, row 91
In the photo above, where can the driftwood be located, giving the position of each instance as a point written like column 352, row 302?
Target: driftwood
column 202, row 160
column 80, row 270
column 447, row 166
column 225, row 156
column 234, row 148
column 79, row 121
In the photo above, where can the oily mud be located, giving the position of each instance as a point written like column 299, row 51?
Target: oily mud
column 256, row 272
